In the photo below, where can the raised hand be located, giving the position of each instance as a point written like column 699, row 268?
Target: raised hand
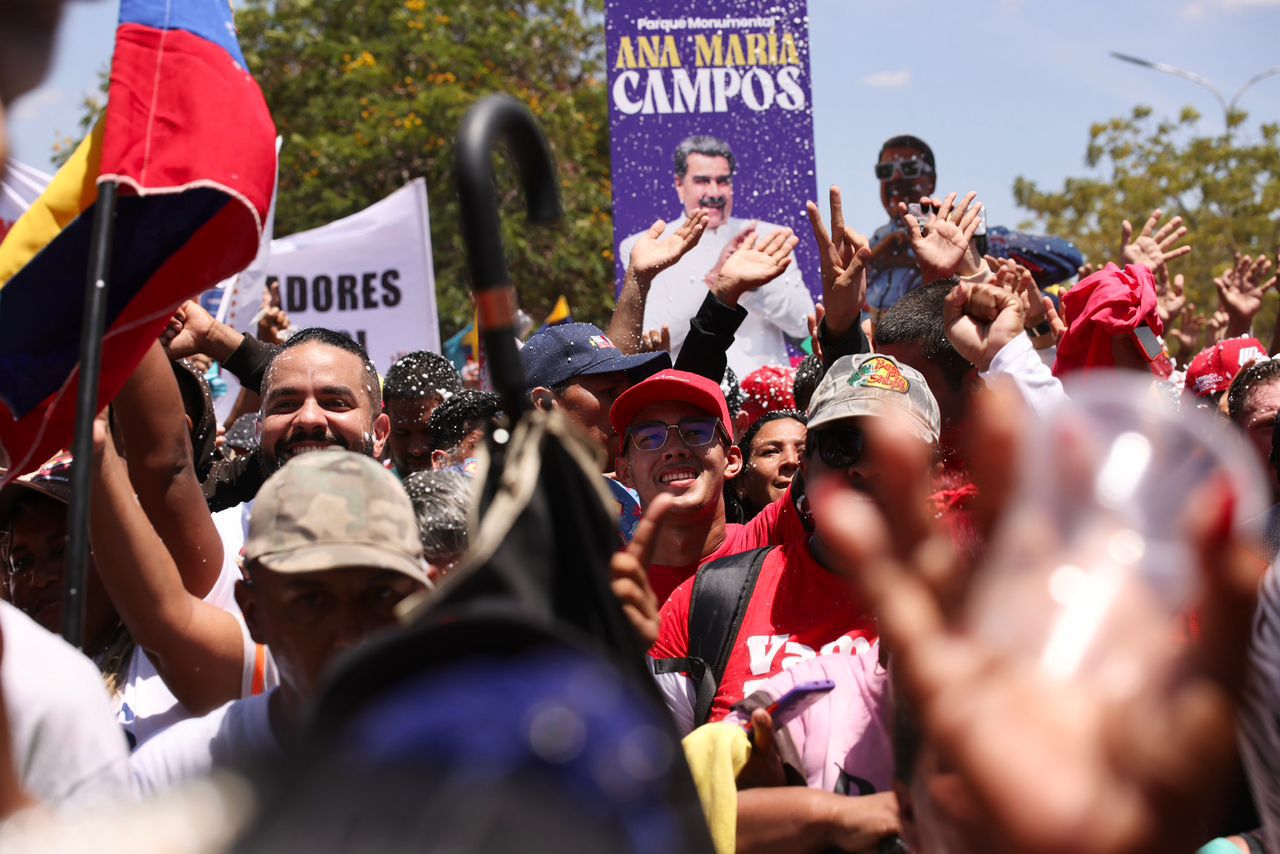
column 1172, row 298
column 843, row 254
column 1129, row 773
column 654, row 253
column 654, row 340
column 273, row 320
column 941, row 245
column 980, row 320
column 188, row 331
column 757, row 261
column 1240, row 292
column 731, row 247
column 629, row 572
column 1153, row 249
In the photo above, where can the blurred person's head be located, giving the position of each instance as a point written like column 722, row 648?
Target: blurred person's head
column 1252, row 403
column 912, row 331
column 672, row 438
column 575, row 368
column 855, row 390
column 33, row 518
column 26, row 48
column 772, row 450
column 332, row 548
column 906, row 171
column 415, row 385
column 458, row 426
column 704, row 178
column 320, row 391
column 441, row 500
column 937, row 808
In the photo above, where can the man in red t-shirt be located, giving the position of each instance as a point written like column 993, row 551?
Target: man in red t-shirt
column 804, row 603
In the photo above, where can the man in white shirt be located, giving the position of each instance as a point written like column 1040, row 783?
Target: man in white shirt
column 333, row 548
column 704, row 175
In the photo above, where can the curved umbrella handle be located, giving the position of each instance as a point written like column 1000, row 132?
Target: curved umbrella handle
column 490, row 121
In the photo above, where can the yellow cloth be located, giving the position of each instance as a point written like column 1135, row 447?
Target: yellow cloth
column 716, row 753
column 559, row 313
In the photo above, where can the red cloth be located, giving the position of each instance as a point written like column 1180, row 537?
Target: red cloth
column 1107, row 305
column 798, row 610
column 778, row 523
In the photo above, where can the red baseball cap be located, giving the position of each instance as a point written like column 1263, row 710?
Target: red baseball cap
column 1213, row 368
column 669, row 385
column 767, row 389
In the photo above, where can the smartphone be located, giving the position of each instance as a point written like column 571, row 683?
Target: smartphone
column 1148, row 342
column 789, row 706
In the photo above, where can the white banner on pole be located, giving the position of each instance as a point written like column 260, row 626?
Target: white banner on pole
column 369, row 275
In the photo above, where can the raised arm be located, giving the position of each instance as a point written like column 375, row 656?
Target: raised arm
column 843, row 254
column 197, row 648
column 149, row 411
column 650, row 255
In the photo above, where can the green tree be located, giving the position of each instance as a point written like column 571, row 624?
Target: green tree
column 1226, row 188
column 368, row 95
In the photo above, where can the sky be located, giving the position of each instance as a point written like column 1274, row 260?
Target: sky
column 999, row 88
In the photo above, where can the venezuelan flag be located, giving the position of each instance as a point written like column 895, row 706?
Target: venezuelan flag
column 189, row 139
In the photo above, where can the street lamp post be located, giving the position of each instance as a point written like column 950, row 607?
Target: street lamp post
column 1228, row 107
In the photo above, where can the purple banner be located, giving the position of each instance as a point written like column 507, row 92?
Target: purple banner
column 724, row 94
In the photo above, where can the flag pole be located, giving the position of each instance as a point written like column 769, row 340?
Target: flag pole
column 91, row 330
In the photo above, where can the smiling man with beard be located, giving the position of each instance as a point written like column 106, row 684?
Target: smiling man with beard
column 321, row 391
column 705, row 172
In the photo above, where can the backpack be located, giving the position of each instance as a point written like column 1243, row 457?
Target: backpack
column 721, row 591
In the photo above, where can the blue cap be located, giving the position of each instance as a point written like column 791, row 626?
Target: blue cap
column 556, row 354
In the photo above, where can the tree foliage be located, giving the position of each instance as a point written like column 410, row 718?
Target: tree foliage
column 1225, row 187
column 369, row 95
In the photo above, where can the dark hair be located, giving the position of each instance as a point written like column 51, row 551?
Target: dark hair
column 772, row 415
column 440, row 501
column 732, row 394
column 808, row 375
column 908, row 141
column 465, row 411
column 707, row 146
column 1242, row 388
column 342, row 341
column 420, row 375
column 917, row 319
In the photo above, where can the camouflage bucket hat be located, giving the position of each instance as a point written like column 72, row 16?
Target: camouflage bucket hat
column 334, row 509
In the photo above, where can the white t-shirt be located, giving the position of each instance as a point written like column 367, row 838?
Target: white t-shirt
column 66, row 745
column 231, row 734
column 146, row 705
column 781, row 306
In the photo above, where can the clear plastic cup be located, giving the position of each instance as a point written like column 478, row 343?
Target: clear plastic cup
column 1093, row 567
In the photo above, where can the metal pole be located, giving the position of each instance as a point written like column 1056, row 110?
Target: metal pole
column 91, row 329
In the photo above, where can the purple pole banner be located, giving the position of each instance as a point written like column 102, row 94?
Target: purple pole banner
column 713, row 109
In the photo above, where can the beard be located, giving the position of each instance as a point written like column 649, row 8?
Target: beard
column 271, row 462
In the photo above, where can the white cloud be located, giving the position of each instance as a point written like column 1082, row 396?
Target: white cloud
column 1199, row 8
column 887, row 79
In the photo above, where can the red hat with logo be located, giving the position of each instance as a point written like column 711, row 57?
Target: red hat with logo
column 664, row 387
column 1213, row 368
column 767, row 389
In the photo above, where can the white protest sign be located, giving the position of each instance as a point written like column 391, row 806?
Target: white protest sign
column 368, row 275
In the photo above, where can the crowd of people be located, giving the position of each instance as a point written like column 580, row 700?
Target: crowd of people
column 886, row 594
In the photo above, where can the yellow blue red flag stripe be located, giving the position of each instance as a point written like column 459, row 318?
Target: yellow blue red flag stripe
column 188, row 137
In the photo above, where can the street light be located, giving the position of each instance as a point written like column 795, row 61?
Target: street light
column 1228, row 107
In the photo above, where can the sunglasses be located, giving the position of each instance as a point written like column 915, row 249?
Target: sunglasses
column 913, row 168
column 839, row 448
column 694, row 432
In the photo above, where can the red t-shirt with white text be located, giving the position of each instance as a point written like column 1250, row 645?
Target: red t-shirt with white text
column 797, row 611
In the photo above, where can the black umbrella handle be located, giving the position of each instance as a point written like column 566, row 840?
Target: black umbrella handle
column 490, row 121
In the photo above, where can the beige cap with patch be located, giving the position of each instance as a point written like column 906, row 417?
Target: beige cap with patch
column 878, row 385
column 334, row 509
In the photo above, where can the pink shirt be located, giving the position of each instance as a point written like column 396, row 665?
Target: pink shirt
column 842, row 740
